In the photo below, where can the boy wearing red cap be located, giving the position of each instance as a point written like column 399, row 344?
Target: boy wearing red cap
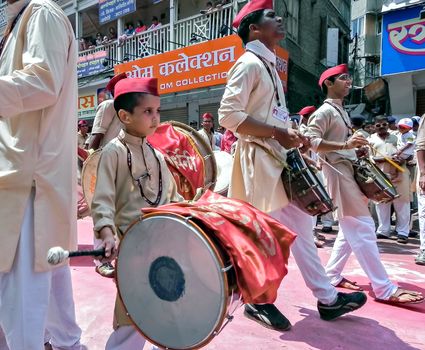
column 327, row 219
column 253, row 106
column 130, row 175
column 332, row 137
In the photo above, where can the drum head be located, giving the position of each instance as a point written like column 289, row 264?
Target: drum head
column 89, row 176
column 170, row 280
column 224, row 170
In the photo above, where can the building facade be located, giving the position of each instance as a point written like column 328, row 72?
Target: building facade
column 318, row 34
column 402, row 59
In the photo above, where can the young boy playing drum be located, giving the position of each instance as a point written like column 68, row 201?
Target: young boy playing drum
column 131, row 175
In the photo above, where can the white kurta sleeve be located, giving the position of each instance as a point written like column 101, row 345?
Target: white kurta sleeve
column 318, row 124
column 44, row 59
column 242, row 80
column 105, row 113
column 103, row 205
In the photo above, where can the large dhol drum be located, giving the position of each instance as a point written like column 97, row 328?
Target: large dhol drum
column 224, row 170
column 372, row 181
column 89, row 176
column 189, row 158
column 176, row 283
column 303, row 187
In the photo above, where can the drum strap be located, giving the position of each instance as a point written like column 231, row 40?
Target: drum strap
column 271, row 77
column 350, row 129
column 147, row 174
column 9, row 29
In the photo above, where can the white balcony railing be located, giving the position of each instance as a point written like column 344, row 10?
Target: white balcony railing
column 158, row 40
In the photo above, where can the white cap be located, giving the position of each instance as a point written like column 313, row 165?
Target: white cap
column 405, row 122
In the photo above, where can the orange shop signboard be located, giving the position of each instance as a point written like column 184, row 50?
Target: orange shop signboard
column 196, row 66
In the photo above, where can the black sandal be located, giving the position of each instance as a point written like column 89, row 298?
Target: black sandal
column 402, row 239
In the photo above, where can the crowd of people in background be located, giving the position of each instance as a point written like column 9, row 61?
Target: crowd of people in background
column 90, row 42
column 395, row 139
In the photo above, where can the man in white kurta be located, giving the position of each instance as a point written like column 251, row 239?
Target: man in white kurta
column 207, row 131
column 106, row 124
column 420, row 155
column 38, row 90
column 331, row 135
column 384, row 143
column 253, row 107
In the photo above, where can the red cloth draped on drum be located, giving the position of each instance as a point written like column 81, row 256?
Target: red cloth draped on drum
column 257, row 244
column 185, row 164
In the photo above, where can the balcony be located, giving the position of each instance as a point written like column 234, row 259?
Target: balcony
column 166, row 38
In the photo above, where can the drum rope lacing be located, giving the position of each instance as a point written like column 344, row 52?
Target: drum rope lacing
column 147, row 174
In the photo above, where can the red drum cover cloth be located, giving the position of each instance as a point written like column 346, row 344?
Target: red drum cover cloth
column 183, row 158
column 257, row 244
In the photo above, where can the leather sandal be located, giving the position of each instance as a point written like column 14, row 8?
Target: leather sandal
column 347, row 284
column 397, row 297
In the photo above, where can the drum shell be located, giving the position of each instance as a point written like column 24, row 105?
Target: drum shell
column 228, row 280
column 173, row 149
column 374, row 184
column 303, row 187
column 89, row 176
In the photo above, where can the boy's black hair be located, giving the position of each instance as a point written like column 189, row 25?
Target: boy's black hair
column 252, row 18
column 324, row 87
column 128, row 102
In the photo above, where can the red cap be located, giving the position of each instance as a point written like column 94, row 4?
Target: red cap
column 307, row 110
column 207, row 116
column 83, row 123
column 341, row 69
column 250, row 7
column 111, row 85
column 146, row 85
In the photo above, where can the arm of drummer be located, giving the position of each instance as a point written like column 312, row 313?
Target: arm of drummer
column 103, row 204
column 102, row 120
column 420, row 153
column 241, row 82
column 318, row 124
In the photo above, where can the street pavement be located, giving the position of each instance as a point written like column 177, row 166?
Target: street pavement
column 376, row 326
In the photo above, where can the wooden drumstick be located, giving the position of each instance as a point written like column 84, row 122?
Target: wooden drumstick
column 390, row 161
column 58, row 255
column 332, row 167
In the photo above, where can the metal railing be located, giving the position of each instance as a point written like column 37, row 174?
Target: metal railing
column 206, row 27
column 151, row 42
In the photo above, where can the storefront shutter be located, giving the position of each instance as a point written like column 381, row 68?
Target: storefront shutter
column 177, row 114
column 420, row 102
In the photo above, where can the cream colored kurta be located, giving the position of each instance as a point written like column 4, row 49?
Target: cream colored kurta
column 327, row 124
column 209, row 139
column 388, row 147
column 106, row 122
column 38, row 90
column 258, row 165
column 117, row 200
column 82, row 140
